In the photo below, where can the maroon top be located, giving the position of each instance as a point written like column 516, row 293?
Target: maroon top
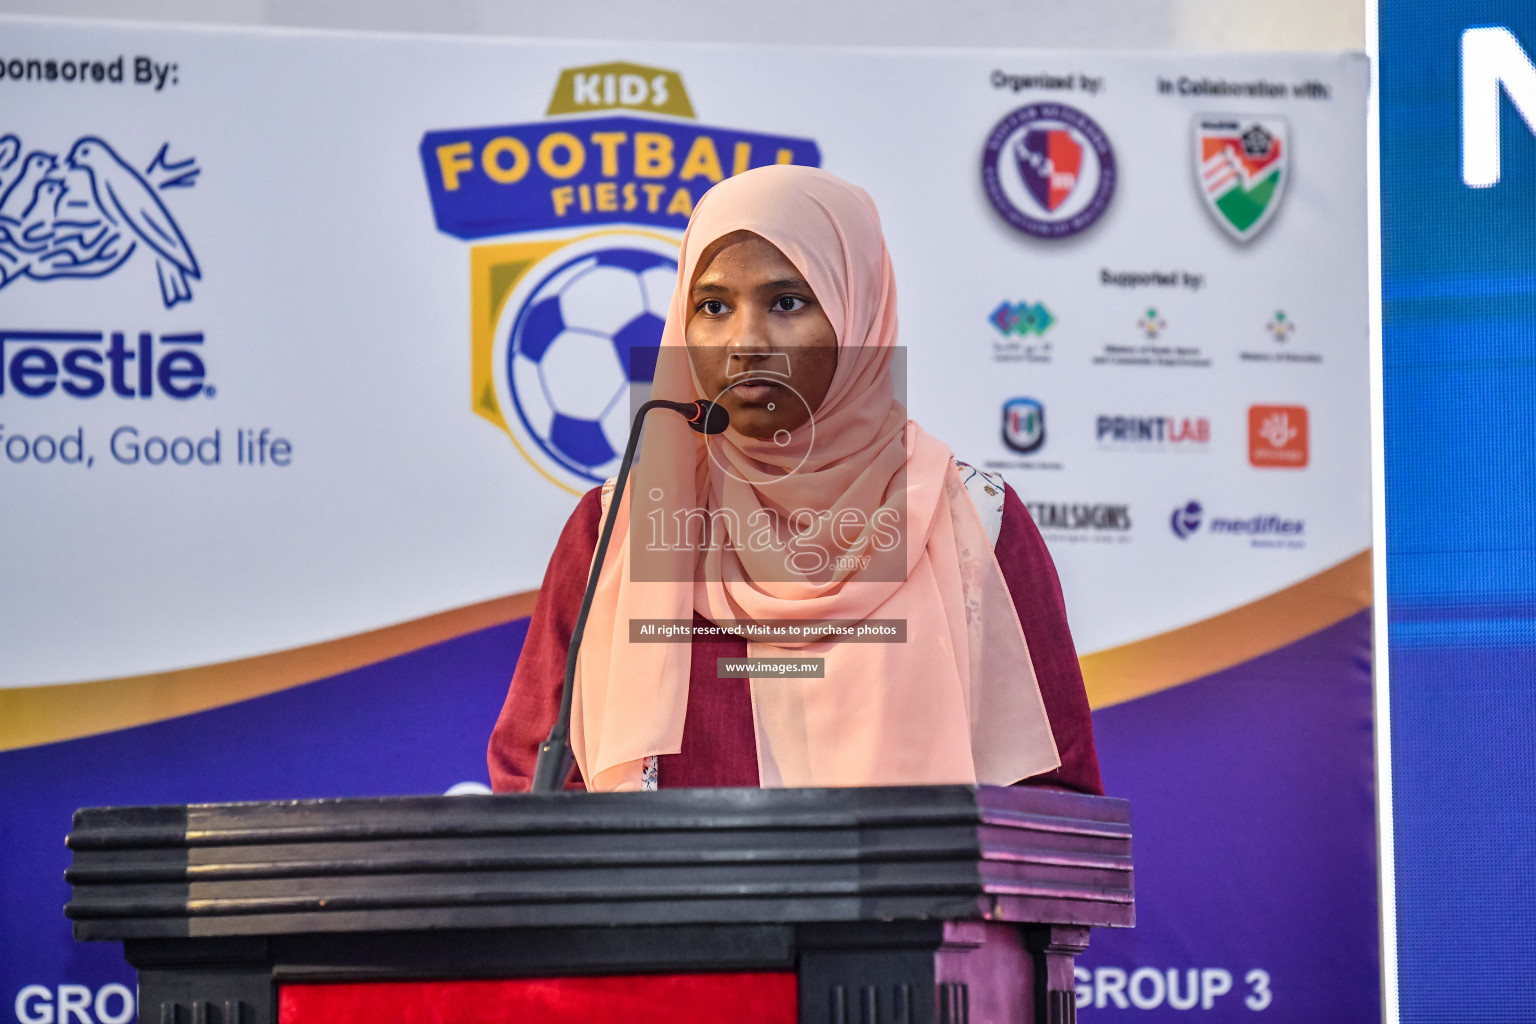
column 719, row 742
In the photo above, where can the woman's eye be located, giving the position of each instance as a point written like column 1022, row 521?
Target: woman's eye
column 788, row 303
column 714, row 307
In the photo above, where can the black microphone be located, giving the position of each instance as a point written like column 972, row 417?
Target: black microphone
column 554, row 763
column 705, row 417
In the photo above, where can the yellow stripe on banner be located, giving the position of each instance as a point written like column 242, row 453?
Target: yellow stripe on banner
column 34, row 715
column 1183, row 655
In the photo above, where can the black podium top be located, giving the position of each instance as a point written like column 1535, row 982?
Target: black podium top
column 707, row 856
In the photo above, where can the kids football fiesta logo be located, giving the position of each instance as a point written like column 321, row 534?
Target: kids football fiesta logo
column 1048, row 169
column 1243, row 164
column 564, row 326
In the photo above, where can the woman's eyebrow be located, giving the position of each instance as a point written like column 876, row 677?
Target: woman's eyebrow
column 767, row 286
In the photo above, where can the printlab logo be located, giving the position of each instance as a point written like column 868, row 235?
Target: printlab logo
column 85, row 215
column 1277, row 436
column 1243, row 164
column 1023, row 425
column 564, row 327
column 1153, row 433
column 1152, row 325
column 1048, row 169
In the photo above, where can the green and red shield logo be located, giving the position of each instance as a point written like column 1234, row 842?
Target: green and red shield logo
column 1242, row 164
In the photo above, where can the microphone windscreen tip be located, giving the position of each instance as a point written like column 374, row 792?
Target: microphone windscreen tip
column 711, row 418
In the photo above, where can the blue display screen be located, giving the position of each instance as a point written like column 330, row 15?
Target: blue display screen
column 1459, row 372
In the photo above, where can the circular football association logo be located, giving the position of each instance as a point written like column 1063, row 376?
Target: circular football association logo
column 1048, row 169
column 579, row 335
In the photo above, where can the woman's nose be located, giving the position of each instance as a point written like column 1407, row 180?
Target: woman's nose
column 750, row 338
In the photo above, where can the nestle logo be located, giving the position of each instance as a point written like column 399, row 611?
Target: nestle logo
column 84, row 364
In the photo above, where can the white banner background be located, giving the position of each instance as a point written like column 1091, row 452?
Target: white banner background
column 337, row 315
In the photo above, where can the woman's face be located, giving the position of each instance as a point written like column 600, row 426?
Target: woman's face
column 757, row 337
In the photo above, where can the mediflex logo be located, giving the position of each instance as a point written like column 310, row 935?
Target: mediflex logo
column 1492, row 62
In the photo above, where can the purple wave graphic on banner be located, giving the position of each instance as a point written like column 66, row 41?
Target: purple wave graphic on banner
column 1250, row 792
column 1253, row 811
column 417, row 723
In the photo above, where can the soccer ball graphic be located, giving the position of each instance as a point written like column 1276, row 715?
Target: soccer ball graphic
column 584, row 336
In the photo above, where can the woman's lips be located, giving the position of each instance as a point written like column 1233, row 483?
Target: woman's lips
column 755, row 392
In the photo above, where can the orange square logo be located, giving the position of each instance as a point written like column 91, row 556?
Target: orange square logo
column 1277, row 436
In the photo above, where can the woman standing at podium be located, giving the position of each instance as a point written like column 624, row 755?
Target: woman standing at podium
column 821, row 504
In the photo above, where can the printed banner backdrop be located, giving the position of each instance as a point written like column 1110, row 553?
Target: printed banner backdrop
column 310, row 341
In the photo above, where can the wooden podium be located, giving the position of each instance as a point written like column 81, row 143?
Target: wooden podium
column 901, row 905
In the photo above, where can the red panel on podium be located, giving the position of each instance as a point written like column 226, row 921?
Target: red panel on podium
column 758, row 997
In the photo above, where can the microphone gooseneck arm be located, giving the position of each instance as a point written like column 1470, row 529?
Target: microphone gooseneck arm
column 554, row 762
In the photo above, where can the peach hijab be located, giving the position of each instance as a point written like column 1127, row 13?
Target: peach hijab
column 958, row 702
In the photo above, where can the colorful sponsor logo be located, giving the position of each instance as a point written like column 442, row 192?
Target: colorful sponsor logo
column 1242, row 164
column 1278, row 437
column 1280, row 326
column 1264, row 530
column 1153, row 433
column 1152, row 325
column 564, row 324
column 1281, row 329
column 1023, row 424
column 1049, row 170
column 1022, row 319
column 508, row 179
column 86, row 214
